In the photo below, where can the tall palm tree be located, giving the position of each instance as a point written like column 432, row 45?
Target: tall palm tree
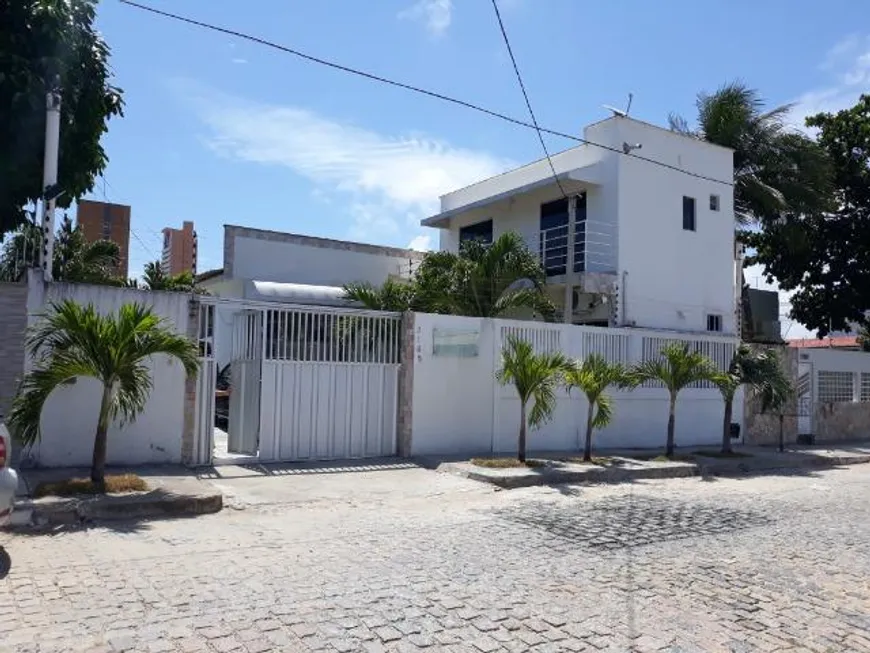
column 758, row 369
column 777, row 169
column 676, row 368
column 482, row 280
column 75, row 341
column 154, row 278
column 593, row 376
column 536, row 378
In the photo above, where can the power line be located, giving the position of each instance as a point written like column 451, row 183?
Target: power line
column 526, row 96
column 414, row 89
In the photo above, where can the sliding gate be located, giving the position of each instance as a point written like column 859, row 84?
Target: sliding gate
column 329, row 384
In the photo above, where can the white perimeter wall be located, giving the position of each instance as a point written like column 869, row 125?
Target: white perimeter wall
column 69, row 420
column 459, row 408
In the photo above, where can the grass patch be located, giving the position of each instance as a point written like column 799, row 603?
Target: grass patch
column 505, row 463
column 602, row 461
column 676, row 458
column 74, row 486
column 713, row 453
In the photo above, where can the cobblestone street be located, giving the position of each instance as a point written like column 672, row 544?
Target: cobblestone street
column 777, row 563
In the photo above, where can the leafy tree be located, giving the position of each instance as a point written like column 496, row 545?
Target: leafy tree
column 481, row 281
column 43, row 43
column 155, row 279
column 75, row 259
column 864, row 338
column 676, row 368
column 593, row 376
column 756, row 368
column 75, row 341
column 776, row 169
column 824, row 256
column 536, row 378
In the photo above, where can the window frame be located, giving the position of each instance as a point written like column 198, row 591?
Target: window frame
column 715, row 202
column 714, row 319
column 690, row 221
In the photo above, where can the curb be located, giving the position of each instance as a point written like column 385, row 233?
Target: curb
column 555, row 476
column 141, row 507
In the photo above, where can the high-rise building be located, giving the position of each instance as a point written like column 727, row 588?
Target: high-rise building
column 179, row 249
column 106, row 221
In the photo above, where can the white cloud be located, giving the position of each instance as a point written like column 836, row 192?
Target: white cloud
column 848, row 63
column 389, row 182
column 239, row 60
column 436, row 15
column 421, row 243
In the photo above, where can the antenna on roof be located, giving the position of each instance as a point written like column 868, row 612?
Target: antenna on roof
column 620, row 112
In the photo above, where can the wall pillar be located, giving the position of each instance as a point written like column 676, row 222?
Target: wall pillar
column 405, row 400
column 569, row 260
column 187, row 435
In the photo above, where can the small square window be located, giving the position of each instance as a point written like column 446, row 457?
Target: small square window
column 714, row 202
column 714, row 323
column 689, row 213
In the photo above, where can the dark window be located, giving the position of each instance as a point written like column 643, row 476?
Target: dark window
column 714, row 202
column 714, row 323
column 689, row 213
column 481, row 231
column 554, row 236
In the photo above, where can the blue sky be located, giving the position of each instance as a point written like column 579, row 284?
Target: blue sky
column 219, row 130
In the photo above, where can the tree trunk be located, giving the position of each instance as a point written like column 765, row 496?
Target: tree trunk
column 669, row 449
column 98, row 463
column 726, row 425
column 587, row 448
column 521, row 446
column 781, row 434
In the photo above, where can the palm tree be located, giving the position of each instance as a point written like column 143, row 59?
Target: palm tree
column 482, row 280
column 536, row 378
column 676, row 368
column 75, row 341
column 777, row 169
column 758, row 369
column 154, row 278
column 593, row 377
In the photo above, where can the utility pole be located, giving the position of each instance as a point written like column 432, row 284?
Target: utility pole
column 49, row 175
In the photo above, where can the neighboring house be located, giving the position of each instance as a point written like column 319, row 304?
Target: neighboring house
column 842, row 343
column 271, row 266
column 634, row 243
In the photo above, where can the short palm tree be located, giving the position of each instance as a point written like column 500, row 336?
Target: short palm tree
column 758, row 369
column 676, row 368
column 75, row 341
column 536, row 378
column 593, row 376
column 395, row 296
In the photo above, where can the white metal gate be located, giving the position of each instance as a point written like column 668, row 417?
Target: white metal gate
column 329, row 384
column 805, row 398
column 203, row 428
column 243, row 430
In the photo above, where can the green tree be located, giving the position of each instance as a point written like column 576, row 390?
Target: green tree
column 75, row 259
column 863, row 337
column 482, row 280
column 758, row 369
column 155, row 279
column 74, row 341
column 536, row 378
column 42, row 43
column 593, row 376
column 675, row 368
column 824, row 256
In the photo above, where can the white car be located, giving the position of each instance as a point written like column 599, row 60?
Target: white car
column 8, row 477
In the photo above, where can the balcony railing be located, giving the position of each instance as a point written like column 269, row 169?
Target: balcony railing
column 594, row 249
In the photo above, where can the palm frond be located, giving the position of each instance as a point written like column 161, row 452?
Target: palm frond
column 604, row 411
column 676, row 367
column 535, row 376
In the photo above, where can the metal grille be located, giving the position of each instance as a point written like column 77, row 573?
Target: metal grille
column 835, row 386
column 865, row 387
column 720, row 353
column 614, row 348
column 542, row 340
column 329, row 337
column 205, row 332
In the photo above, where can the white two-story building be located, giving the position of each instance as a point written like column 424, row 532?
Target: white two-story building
column 645, row 236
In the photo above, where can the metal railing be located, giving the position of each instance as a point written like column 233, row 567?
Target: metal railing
column 594, row 248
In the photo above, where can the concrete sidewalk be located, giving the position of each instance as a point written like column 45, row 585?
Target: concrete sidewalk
column 634, row 464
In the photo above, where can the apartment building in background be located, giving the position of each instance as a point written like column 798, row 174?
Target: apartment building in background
column 107, row 221
column 179, row 249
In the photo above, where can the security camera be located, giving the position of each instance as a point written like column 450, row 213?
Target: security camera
column 627, row 147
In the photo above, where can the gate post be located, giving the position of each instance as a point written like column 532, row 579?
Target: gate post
column 187, row 434
column 405, row 403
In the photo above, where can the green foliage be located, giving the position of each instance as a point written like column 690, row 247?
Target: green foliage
column 74, row 341
column 676, row 368
column 757, row 368
column 824, row 255
column 155, row 279
column 75, row 260
column 776, row 169
column 593, row 376
column 39, row 41
column 481, row 281
column 535, row 377
column 864, row 338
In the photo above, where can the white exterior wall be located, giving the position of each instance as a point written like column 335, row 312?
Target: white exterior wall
column 272, row 260
column 673, row 278
column 459, row 408
column 69, row 420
